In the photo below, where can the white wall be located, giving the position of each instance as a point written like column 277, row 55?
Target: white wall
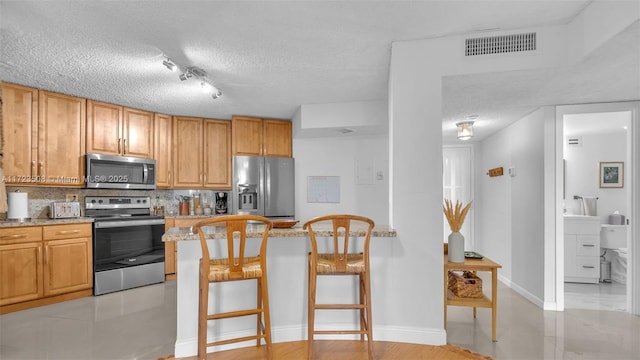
column 415, row 104
column 582, row 173
column 513, row 207
column 415, row 107
column 338, row 156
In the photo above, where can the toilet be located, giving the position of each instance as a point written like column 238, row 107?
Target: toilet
column 619, row 266
column 613, row 236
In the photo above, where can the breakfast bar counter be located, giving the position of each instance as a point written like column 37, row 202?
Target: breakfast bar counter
column 256, row 231
column 287, row 251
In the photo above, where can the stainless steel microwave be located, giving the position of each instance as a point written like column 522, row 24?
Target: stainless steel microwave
column 120, row 172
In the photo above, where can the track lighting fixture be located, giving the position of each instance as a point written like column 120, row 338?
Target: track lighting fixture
column 194, row 72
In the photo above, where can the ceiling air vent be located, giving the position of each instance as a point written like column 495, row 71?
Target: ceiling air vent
column 500, row 44
column 574, row 140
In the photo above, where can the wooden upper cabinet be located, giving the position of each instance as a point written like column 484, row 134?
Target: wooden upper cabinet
column 162, row 150
column 261, row 137
column 217, row 154
column 201, row 153
column 116, row 130
column 277, row 138
column 137, row 133
column 44, row 137
column 247, row 136
column 19, row 126
column 187, row 152
column 61, row 139
column 104, row 135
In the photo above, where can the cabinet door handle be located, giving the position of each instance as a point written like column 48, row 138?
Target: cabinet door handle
column 124, row 146
column 34, row 170
column 588, row 266
column 119, row 150
column 40, row 170
column 16, row 236
column 588, row 245
column 67, row 232
column 46, row 254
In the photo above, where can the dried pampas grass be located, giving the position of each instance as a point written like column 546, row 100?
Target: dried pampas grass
column 455, row 215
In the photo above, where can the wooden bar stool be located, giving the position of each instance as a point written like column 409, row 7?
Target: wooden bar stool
column 340, row 259
column 233, row 266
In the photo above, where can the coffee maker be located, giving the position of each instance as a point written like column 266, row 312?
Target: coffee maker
column 222, row 203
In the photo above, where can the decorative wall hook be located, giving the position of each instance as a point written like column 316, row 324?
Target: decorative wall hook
column 496, row 172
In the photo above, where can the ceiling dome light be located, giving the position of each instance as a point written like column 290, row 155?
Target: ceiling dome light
column 465, row 130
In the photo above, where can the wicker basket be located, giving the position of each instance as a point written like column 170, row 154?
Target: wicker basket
column 465, row 284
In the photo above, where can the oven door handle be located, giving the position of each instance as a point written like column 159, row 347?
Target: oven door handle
column 129, row 223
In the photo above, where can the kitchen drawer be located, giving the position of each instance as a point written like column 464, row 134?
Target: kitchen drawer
column 55, row 232
column 20, row 234
column 588, row 245
column 588, row 267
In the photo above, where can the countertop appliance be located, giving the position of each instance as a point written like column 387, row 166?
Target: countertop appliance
column 64, row 209
column 120, row 172
column 263, row 186
column 128, row 250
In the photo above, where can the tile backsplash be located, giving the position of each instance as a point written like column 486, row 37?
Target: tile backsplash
column 40, row 198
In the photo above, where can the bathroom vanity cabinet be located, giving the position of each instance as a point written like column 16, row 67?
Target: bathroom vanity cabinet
column 582, row 249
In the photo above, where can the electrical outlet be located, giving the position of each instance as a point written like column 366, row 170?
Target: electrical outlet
column 72, row 197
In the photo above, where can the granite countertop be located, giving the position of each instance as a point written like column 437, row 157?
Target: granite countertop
column 186, row 233
column 41, row 222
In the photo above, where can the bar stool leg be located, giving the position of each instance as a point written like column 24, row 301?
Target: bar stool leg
column 203, row 301
column 367, row 290
column 265, row 311
column 311, row 312
column 363, row 325
column 259, row 306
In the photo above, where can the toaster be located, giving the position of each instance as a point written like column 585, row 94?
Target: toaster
column 64, row 209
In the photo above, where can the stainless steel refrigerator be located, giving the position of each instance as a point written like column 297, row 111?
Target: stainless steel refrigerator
column 263, row 186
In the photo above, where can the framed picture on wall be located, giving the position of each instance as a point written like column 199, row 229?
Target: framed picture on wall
column 611, row 174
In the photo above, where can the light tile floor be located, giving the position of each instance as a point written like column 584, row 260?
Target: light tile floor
column 603, row 296
column 140, row 324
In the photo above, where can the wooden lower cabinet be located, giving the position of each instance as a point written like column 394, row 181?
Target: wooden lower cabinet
column 42, row 265
column 169, row 252
column 171, row 247
column 21, row 269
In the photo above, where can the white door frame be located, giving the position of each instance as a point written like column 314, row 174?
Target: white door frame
column 633, row 286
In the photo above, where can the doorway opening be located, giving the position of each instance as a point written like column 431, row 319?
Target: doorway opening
column 593, row 272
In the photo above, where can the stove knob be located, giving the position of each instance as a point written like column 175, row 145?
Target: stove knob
column 93, row 201
column 100, row 201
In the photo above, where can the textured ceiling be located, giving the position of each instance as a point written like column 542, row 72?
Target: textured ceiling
column 268, row 58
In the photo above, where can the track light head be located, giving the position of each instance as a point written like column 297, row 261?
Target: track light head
column 169, row 64
column 216, row 94
column 185, row 76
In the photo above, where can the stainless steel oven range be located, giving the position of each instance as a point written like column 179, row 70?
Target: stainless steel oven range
column 128, row 250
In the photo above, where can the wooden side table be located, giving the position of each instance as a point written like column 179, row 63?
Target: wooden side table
column 473, row 265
